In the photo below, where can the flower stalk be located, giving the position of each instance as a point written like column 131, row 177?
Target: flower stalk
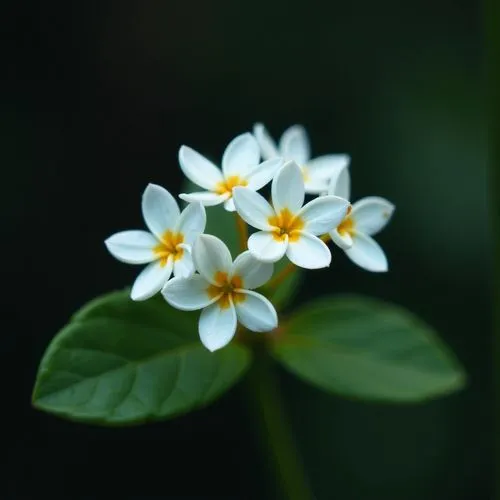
column 242, row 232
column 276, row 281
column 276, row 435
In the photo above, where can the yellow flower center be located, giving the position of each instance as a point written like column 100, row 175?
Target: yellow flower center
column 169, row 246
column 227, row 185
column 286, row 224
column 347, row 226
column 227, row 287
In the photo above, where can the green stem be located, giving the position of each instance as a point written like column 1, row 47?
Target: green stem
column 276, row 433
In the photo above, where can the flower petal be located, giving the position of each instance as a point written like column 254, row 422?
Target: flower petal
column 316, row 186
column 253, row 272
column 198, row 169
column 371, row 214
column 217, row 326
column 264, row 247
column 132, row 247
column 294, row 145
column 184, row 267
column 324, row 167
column 259, row 176
column 367, row 253
column 151, row 280
column 340, row 184
column 241, row 155
column 229, row 205
column 309, row 252
column 192, row 222
column 188, row 294
column 256, row 312
column 288, row 188
column 343, row 240
column 323, row 214
column 159, row 209
column 210, row 256
column 252, row 207
column 268, row 148
column 207, row 198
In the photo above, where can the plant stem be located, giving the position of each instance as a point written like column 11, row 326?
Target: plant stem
column 281, row 276
column 326, row 238
column 242, row 231
column 276, row 434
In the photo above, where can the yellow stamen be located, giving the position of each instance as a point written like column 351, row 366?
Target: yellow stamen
column 286, row 224
column 226, row 287
column 169, row 246
column 347, row 226
column 227, row 185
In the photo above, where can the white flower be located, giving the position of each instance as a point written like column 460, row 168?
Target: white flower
column 167, row 247
column 240, row 167
column 287, row 226
column 294, row 145
column 354, row 234
column 223, row 289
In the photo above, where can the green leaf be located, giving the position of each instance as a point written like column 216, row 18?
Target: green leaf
column 367, row 349
column 122, row 362
column 222, row 224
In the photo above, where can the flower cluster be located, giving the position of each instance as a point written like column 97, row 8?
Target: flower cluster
column 205, row 276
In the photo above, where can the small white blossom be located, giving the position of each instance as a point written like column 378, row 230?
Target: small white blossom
column 287, row 227
column 294, row 145
column 354, row 234
column 223, row 289
column 240, row 167
column 166, row 248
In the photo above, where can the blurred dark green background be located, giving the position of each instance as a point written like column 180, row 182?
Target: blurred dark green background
column 100, row 95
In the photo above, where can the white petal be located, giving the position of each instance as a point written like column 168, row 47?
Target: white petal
column 217, row 326
column 268, row 147
column 294, row 145
column 198, row 169
column 241, row 155
column 159, row 209
column 263, row 173
column 371, row 214
column 211, row 256
column 367, row 253
column 252, row 207
column 207, row 198
column 256, row 313
column 151, row 280
column 254, row 273
column 265, row 248
column 229, row 205
column 184, row 267
column 132, row 247
column 192, row 222
column 343, row 240
column 340, row 184
column 309, row 252
column 288, row 188
column 316, row 186
column 323, row 214
column 188, row 294
column 324, row 167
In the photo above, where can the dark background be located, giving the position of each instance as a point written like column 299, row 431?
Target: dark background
column 99, row 97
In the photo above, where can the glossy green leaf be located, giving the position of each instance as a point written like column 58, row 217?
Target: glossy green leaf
column 222, row 224
column 124, row 362
column 367, row 349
